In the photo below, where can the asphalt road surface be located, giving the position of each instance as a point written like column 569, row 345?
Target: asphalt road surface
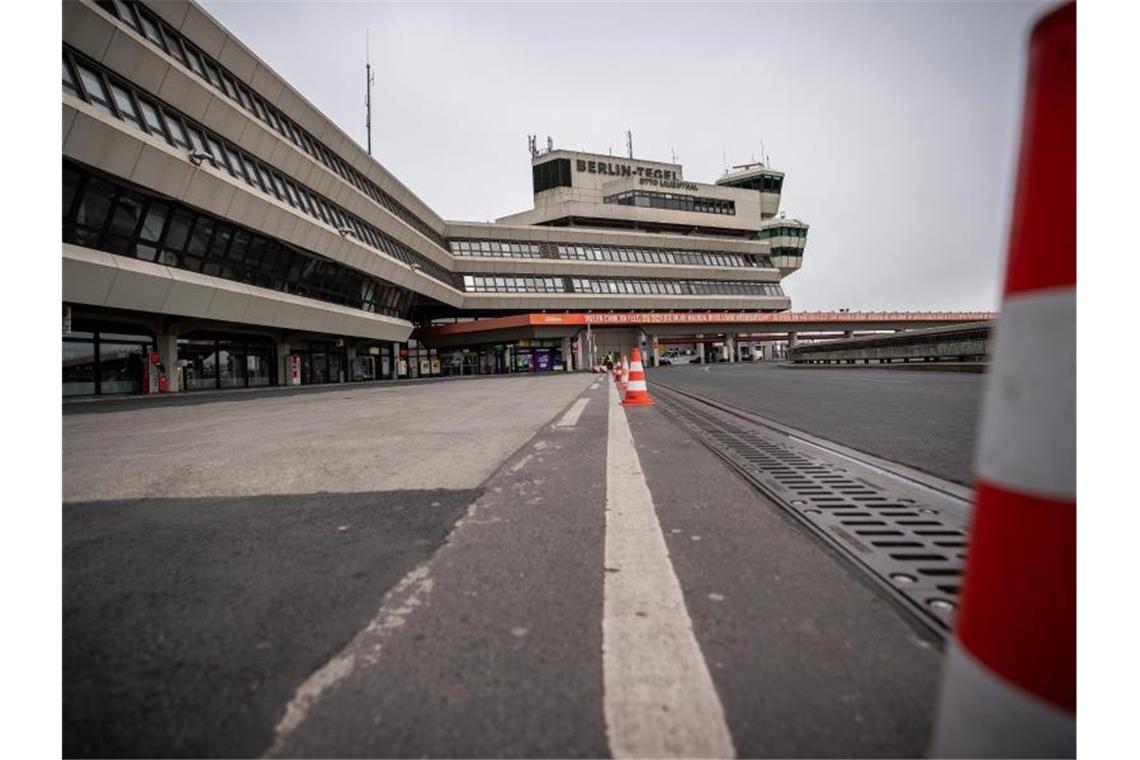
column 500, row 568
column 927, row 420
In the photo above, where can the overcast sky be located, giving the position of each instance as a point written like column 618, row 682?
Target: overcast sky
column 896, row 123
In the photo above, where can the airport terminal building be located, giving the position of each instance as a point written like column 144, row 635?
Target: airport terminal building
column 219, row 231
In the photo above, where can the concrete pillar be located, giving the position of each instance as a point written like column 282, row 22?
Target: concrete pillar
column 656, row 354
column 793, row 339
column 768, row 351
column 701, row 348
column 349, row 361
column 168, row 355
column 283, row 350
column 567, row 358
column 730, row 344
column 849, row 334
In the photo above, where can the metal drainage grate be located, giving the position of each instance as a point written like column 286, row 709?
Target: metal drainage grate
column 912, row 545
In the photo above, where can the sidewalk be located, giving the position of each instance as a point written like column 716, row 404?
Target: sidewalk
column 90, row 404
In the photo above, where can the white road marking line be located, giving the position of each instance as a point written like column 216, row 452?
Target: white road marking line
column 660, row 700
column 362, row 652
column 570, row 419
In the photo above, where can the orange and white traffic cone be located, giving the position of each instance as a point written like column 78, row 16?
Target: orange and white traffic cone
column 623, row 382
column 1009, row 680
column 637, row 393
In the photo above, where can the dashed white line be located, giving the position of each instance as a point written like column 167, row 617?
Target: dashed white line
column 660, row 700
column 570, row 419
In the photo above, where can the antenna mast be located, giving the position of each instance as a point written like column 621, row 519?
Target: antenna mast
column 629, row 142
column 368, row 90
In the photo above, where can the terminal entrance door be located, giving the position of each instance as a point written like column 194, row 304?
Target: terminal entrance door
column 321, row 365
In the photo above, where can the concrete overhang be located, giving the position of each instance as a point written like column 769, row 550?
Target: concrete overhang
column 97, row 278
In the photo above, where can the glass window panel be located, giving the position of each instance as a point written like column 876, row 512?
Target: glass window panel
column 229, row 86
column 254, row 173
column 126, row 14
column 179, row 229
column 200, row 236
column 93, row 84
column 239, row 246
column 177, row 130
column 278, row 188
column 78, row 368
column 220, row 241
column 173, row 44
column 219, row 153
column 195, row 61
column 71, row 181
column 128, row 213
column 95, row 204
column 150, row 29
column 153, row 119
column 200, row 358
column 155, row 219
column 291, row 193
column 198, row 141
column 212, row 73
column 243, row 96
column 69, row 78
column 259, row 361
column 121, row 367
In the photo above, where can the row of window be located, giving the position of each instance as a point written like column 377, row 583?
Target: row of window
column 772, row 232
column 148, row 25
column 615, row 286
column 107, row 215
column 675, row 287
column 496, row 248
column 502, row 248
column 797, row 252
column 765, row 183
column 550, row 174
column 482, row 284
column 649, row 199
column 654, row 256
column 86, row 80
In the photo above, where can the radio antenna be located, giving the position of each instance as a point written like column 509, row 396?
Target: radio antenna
column 629, row 142
column 368, row 90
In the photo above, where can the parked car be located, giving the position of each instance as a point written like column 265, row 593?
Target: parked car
column 675, row 356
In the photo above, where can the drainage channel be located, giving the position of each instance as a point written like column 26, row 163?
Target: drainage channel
column 909, row 538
